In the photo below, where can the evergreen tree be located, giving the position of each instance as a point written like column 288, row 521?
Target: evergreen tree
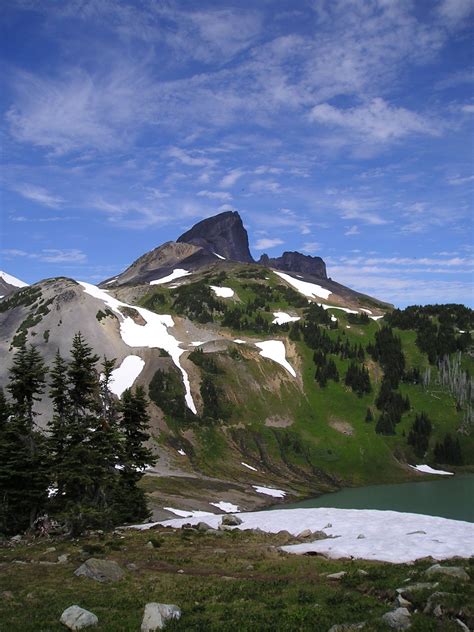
column 58, row 425
column 369, row 416
column 419, row 435
column 24, row 476
column 448, row 451
column 135, row 456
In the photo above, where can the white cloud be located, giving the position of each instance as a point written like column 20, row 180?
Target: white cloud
column 80, row 111
column 468, row 108
column 352, row 230
column 355, row 209
column 266, row 186
column 39, row 195
column 455, row 11
column 458, row 180
column 215, row 195
column 377, row 121
column 263, row 244
column 50, row 255
column 189, row 160
column 311, row 247
column 231, row 178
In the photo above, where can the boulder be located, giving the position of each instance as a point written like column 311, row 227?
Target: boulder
column 398, row 619
column 76, row 618
column 434, row 605
column 452, row 571
column 307, row 533
column 157, row 614
column 230, row 520
column 204, row 527
column 100, row 570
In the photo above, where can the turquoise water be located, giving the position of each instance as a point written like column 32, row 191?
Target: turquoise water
column 450, row 497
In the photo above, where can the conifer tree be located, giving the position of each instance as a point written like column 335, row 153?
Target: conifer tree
column 135, row 456
column 58, row 425
column 23, row 465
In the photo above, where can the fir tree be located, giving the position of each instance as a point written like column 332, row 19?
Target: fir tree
column 135, row 456
column 24, row 476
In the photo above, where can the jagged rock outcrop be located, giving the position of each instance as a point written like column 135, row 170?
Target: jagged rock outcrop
column 296, row 262
column 9, row 284
column 223, row 234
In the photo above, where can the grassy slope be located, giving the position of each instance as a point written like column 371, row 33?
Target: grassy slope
column 313, row 442
column 237, row 580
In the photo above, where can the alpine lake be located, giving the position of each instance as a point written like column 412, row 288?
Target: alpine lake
column 447, row 496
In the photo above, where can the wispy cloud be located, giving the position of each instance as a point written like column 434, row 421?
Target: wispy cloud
column 190, row 160
column 356, row 209
column 50, row 255
column 352, row 230
column 458, row 180
column 311, row 247
column 215, row 195
column 39, row 195
column 228, row 181
column 376, row 122
column 267, row 243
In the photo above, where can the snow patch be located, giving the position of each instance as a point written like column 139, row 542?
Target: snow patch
column 198, row 343
column 154, row 334
column 312, row 290
column 239, row 342
column 281, row 318
column 176, row 274
column 254, row 469
column 376, row 317
column 426, row 469
column 182, row 452
column 388, row 535
column 367, row 311
column 333, row 318
column 219, row 256
column 275, row 350
column 125, row 375
column 11, row 280
column 183, row 514
column 227, row 507
column 222, row 292
column 344, row 309
column 269, row 491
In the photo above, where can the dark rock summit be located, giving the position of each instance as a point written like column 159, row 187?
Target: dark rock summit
column 223, row 234
column 296, row 262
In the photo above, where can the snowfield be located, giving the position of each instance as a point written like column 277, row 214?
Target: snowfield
column 125, row 375
column 176, row 274
column 386, row 536
column 11, row 280
column 281, row 318
column 311, row 290
column 426, row 469
column 154, row 334
column 249, row 467
column 275, row 350
column 227, row 507
column 269, row 491
column 344, row 309
column 222, row 292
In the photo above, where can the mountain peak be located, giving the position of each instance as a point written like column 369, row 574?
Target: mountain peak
column 296, row 262
column 223, row 235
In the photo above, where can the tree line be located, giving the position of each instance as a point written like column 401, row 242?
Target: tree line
column 85, row 469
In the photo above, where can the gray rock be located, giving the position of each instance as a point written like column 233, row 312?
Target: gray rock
column 149, row 545
column 231, row 520
column 435, row 603
column 203, row 526
column 16, row 538
column 413, row 588
column 100, row 570
column 307, row 533
column 398, row 619
column 402, row 602
column 62, row 559
column 347, row 627
column 361, row 536
column 336, row 576
column 361, row 572
column 157, row 614
column 452, row 571
column 76, row 618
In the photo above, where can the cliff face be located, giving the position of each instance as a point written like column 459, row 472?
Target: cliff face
column 296, row 262
column 223, row 234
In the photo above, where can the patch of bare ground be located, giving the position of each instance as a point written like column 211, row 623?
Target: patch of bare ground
column 344, row 427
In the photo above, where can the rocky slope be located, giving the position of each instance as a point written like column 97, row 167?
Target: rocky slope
column 296, row 262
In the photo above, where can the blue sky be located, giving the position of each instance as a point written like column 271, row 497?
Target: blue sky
column 341, row 128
